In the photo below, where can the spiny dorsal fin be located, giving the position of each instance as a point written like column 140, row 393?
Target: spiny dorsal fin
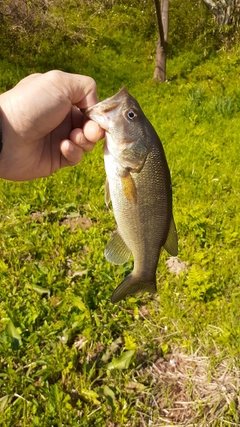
column 171, row 244
column 116, row 250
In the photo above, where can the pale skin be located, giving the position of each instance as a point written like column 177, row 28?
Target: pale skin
column 43, row 128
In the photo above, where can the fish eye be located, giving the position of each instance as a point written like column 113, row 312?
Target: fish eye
column 131, row 114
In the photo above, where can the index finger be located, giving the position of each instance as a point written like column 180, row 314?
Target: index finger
column 80, row 90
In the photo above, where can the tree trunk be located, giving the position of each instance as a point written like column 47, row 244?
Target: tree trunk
column 226, row 12
column 161, row 50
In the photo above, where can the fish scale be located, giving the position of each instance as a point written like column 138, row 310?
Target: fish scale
column 139, row 187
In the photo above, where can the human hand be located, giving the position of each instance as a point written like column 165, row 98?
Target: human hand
column 43, row 128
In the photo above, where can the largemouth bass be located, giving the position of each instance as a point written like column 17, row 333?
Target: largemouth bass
column 139, row 187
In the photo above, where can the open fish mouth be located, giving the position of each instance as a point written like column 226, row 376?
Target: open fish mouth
column 105, row 111
column 102, row 114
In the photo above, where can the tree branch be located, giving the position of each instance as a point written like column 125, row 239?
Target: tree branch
column 211, row 6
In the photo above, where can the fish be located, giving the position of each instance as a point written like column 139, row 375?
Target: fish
column 138, row 184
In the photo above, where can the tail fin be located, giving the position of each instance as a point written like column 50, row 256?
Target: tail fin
column 132, row 285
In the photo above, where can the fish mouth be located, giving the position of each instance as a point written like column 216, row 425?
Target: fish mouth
column 105, row 111
column 102, row 114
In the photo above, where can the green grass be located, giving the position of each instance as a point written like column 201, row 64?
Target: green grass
column 68, row 357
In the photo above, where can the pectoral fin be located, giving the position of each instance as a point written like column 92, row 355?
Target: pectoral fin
column 132, row 285
column 116, row 250
column 171, row 244
column 129, row 188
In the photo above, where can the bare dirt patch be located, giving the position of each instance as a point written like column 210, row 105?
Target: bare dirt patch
column 176, row 266
column 77, row 222
column 189, row 391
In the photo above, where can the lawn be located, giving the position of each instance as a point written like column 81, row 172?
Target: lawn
column 68, row 357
